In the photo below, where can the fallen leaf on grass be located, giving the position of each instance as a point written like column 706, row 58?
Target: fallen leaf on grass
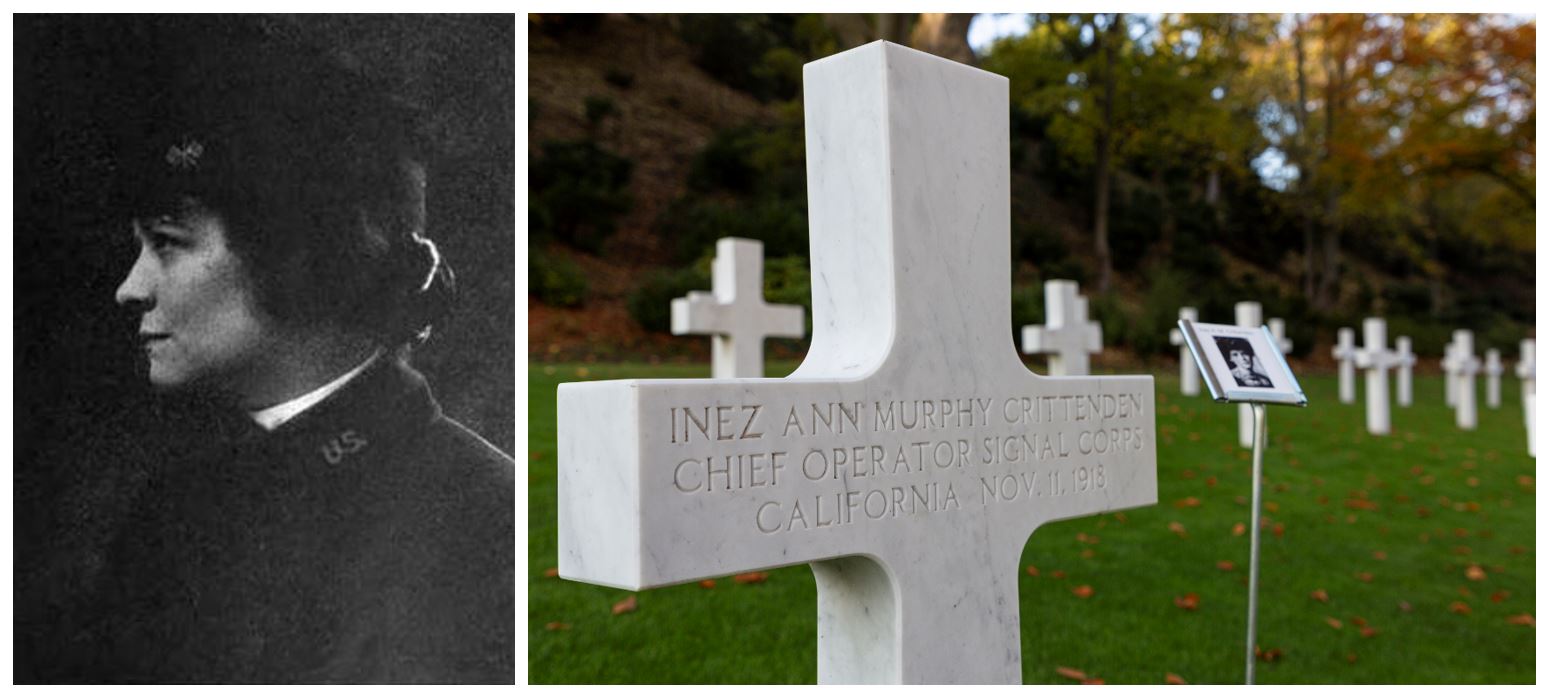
column 708, row 583
column 1404, row 606
column 1278, row 530
column 1364, row 577
column 1369, row 632
column 1083, row 591
column 1224, row 565
column 1474, row 573
column 1359, row 621
column 1332, row 622
column 557, row 626
column 1500, row 596
column 1073, row 674
column 1093, row 681
column 1350, row 658
column 1188, row 601
column 551, row 572
column 751, row 577
column 1319, row 595
column 1088, row 554
column 1380, row 555
column 1190, row 502
column 1057, row 574
column 1272, row 506
column 1270, row 655
column 1525, row 619
column 1174, row 679
column 1211, row 481
column 1459, row 607
column 1178, row 529
column 627, row 605
column 1238, row 529
column 1033, row 571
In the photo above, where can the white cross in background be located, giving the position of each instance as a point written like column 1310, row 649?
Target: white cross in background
column 734, row 313
column 1525, row 370
column 1189, row 372
column 1067, row 336
column 1278, row 331
column 1493, row 378
column 1405, row 360
column 1247, row 314
column 1345, row 352
column 912, row 454
column 1461, row 364
column 1377, row 360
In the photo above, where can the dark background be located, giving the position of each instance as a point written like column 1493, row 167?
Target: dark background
column 87, row 428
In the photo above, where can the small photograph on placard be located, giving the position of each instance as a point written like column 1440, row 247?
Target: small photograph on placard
column 1245, row 366
column 1242, row 364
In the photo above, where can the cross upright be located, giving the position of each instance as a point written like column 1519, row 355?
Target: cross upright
column 1377, row 360
column 1278, row 331
column 1066, row 336
column 1525, row 371
column 1493, row 378
column 1404, row 361
column 1189, row 372
column 734, row 313
column 911, row 455
column 1461, row 366
column 1247, row 314
column 1345, row 352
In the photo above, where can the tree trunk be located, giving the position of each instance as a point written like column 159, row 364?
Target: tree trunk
column 1108, row 39
column 1304, row 164
column 944, row 34
column 1334, row 84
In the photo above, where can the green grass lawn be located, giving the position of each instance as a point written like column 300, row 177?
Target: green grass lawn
column 1424, row 538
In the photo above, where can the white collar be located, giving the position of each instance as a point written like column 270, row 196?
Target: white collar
column 276, row 415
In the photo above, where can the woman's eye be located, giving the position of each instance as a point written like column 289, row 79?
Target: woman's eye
column 162, row 241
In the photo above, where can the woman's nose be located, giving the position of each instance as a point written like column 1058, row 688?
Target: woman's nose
column 137, row 291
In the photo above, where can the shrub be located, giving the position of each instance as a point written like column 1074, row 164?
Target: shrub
column 619, row 78
column 598, row 108
column 1159, row 314
column 650, row 305
column 695, row 225
column 577, row 191
column 555, row 279
column 1027, row 309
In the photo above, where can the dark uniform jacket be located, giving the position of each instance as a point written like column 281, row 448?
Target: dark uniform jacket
column 369, row 539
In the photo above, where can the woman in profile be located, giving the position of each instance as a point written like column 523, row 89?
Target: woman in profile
column 350, row 532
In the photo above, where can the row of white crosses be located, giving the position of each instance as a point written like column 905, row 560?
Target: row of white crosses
column 738, row 319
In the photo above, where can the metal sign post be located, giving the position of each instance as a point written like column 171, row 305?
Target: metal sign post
column 1259, row 454
column 1245, row 365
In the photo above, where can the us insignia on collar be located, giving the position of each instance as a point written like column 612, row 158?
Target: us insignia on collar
column 186, row 155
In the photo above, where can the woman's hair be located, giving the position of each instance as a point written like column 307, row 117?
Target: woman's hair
column 1228, row 345
column 313, row 169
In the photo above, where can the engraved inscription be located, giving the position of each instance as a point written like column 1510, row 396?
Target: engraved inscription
column 858, row 461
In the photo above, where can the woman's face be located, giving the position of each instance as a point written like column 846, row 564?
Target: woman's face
column 1238, row 358
column 200, row 324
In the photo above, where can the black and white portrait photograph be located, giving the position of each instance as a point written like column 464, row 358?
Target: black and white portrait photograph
column 264, row 337
column 1241, row 363
column 1245, row 366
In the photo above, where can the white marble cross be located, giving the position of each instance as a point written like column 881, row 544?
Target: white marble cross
column 1247, row 314
column 912, row 454
column 1493, row 378
column 1345, row 352
column 1189, row 372
column 1404, row 361
column 1377, row 359
column 1461, row 366
column 1066, row 336
column 1525, row 371
column 734, row 313
column 1278, row 331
